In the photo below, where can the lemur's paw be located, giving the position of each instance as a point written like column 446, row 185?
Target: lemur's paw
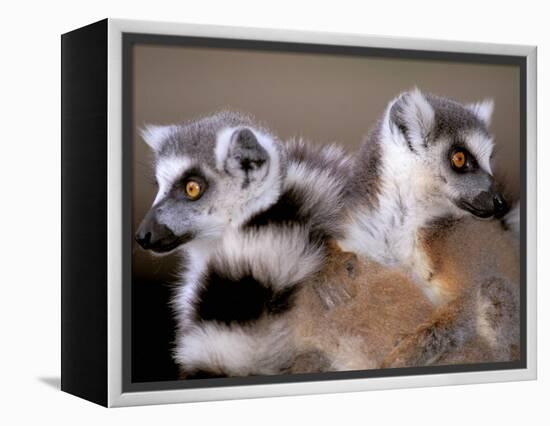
column 413, row 350
column 312, row 361
column 430, row 341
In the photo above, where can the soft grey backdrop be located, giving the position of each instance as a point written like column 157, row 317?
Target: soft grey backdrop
column 324, row 98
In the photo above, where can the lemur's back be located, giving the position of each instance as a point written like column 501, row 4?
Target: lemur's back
column 475, row 265
column 356, row 311
column 464, row 251
column 363, row 315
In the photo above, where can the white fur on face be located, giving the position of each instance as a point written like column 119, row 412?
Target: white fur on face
column 481, row 147
column 233, row 205
column 167, row 171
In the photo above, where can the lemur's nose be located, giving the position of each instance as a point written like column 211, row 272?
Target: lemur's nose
column 144, row 239
column 501, row 206
column 153, row 235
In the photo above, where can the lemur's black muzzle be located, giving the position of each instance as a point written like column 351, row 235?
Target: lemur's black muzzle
column 152, row 235
column 501, row 206
column 486, row 204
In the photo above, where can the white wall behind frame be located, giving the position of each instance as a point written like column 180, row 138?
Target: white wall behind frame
column 29, row 306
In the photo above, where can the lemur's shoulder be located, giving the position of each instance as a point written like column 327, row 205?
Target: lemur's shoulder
column 355, row 310
column 475, row 269
column 459, row 252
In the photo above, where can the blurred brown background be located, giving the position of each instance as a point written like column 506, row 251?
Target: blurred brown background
column 321, row 97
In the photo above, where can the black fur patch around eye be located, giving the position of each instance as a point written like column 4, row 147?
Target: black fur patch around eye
column 471, row 164
column 177, row 191
column 241, row 300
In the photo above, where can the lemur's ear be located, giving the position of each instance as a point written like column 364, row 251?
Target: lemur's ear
column 155, row 136
column 413, row 116
column 483, row 110
column 245, row 156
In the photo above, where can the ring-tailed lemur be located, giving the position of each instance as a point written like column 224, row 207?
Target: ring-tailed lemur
column 421, row 172
column 428, row 158
column 251, row 218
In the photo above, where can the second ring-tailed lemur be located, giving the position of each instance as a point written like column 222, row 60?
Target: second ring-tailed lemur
column 251, row 219
column 363, row 315
column 428, row 158
column 424, row 168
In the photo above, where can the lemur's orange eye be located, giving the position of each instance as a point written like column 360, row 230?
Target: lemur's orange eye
column 458, row 160
column 193, row 189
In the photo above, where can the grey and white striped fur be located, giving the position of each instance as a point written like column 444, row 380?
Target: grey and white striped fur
column 255, row 235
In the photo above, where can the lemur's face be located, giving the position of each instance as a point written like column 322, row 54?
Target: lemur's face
column 211, row 175
column 451, row 147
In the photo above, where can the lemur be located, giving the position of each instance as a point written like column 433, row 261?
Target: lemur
column 251, row 219
column 361, row 314
column 422, row 170
column 478, row 265
column 284, row 353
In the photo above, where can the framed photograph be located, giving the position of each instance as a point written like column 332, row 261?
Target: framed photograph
column 251, row 212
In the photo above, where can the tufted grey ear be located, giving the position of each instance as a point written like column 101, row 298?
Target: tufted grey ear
column 155, row 135
column 413, row 116
column 483, row 110
column 246, row 157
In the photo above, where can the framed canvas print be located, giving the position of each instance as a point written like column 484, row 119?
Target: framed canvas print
column 253, row 212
